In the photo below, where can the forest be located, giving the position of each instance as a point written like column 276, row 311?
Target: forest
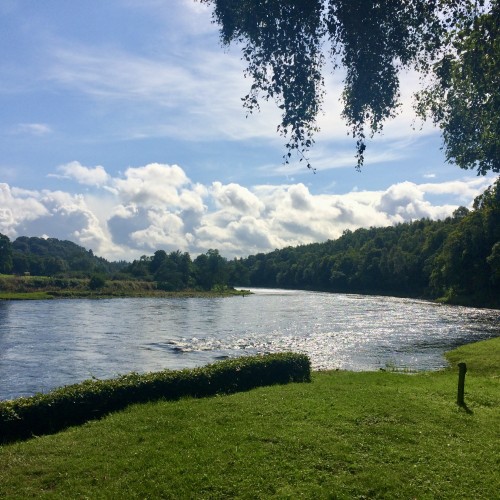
column 455, row 260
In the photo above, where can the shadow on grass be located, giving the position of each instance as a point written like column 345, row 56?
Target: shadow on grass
column 464, row 407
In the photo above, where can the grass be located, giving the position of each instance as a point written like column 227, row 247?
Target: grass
column 345, row 435
column 45, row 287
column 25, row 296
column 482, row 358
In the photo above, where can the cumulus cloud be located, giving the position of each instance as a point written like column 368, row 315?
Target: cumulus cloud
column 91, row 176
column 164, row 230
column 405, row 201
column 464, row 191
column 236, row 198
column 18, row 207
column 157, row 206
column 151, row 185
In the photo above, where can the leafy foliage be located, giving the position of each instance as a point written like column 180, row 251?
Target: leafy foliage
column 97, row 281
column 176, row 270
column 5, row 254
column 283, row 46
column 75, row 404
column 464, row 98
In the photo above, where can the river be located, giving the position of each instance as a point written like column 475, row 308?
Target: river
column 49, row 343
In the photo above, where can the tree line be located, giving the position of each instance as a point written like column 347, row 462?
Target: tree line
column 457, row 259
column 51, row 257
column 172, row 271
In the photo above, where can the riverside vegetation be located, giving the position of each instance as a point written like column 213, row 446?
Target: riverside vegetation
column 456, row 260
column 344, row 435
column 45, row 287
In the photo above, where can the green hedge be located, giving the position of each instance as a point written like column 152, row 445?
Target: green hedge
column 75, row 404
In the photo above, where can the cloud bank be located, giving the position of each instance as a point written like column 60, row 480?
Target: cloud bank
column 157, row 206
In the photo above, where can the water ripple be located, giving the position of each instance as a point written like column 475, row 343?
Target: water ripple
column 46, row 344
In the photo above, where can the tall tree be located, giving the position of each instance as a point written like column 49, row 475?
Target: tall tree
column 454, row 41
column 5, row 254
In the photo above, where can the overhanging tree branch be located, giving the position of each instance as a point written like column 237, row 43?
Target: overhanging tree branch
column 455, row 41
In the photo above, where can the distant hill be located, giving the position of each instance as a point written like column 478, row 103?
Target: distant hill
column 50, row 256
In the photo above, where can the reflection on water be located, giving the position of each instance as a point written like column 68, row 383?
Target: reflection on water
column 46, row 344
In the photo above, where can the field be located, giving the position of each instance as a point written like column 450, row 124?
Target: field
column 344, row 435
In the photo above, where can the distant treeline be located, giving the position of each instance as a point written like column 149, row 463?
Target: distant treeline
column 456, row 259
column 51, row 257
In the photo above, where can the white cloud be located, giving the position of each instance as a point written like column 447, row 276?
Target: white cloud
column 185, row 94
column 91, row 176
column 405, row 201
column 37, row 129
column 17, row 208
column 151, row 185
column 165, row 230
column 464, row 190
column 158, row 206
column 236, row 198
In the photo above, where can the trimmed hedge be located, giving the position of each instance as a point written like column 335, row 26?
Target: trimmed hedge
column 75, row 404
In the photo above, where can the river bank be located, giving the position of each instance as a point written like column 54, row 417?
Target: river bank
column 347, row 434
column 45, row 288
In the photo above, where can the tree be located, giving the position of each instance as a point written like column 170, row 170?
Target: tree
column 210, row 269
column 174, row 271
column 464, row 98
column 5, row 254
column 159, row 257
column 453, row 41
column 96, row 282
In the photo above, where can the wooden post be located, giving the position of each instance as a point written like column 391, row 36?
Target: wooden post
column 462, row 370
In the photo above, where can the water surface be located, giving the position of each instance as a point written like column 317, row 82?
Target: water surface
column 46, row 344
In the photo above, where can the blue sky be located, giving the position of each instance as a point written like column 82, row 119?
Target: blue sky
column 122, row 129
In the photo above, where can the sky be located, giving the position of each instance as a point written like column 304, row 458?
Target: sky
column 122, row 130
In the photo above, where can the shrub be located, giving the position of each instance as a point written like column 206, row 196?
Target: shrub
column 91, row 399
column 97, row 282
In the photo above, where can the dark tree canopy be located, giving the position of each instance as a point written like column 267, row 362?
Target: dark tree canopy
column 452, row 42
column 5, row 254
column 464, row 98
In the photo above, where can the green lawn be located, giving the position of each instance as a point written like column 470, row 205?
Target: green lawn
column 345, row 435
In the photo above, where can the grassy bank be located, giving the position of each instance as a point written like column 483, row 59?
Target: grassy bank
column 122, row 294
column 44, row 287
column 345, row 435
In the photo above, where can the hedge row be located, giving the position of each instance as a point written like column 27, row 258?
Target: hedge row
column 75, row 404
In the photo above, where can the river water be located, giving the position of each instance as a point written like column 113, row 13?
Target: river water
column 47, row 344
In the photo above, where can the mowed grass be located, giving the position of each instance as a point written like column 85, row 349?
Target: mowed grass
column 345, row 435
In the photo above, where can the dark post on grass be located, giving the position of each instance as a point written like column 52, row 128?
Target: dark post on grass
column 462, row 370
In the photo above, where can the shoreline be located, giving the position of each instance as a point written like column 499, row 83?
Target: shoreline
column 92, row 295
column 452, row 357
